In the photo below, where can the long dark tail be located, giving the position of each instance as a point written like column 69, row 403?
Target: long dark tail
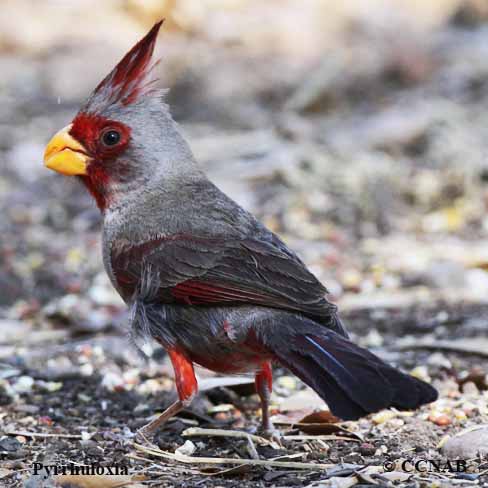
column 351, row 380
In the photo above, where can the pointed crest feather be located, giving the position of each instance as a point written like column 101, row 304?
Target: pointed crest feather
column 130, row 79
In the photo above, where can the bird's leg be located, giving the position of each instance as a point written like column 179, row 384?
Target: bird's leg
column 146, row 432
column 264, row 385
column 186, row 385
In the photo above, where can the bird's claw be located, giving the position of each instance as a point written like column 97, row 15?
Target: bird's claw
column 144, row 437
column 271, row 434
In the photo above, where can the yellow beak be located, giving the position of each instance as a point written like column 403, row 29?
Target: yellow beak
column 65, row 154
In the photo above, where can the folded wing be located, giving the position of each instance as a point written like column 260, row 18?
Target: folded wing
column 212, row 271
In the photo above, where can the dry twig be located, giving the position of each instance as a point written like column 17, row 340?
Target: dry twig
column 237, row 434
column 220, row 461
column 25, row 433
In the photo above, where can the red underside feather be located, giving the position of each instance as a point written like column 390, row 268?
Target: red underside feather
column 264, row 377
column 186, row 383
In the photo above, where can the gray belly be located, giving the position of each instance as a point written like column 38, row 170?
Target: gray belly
column 215, row 337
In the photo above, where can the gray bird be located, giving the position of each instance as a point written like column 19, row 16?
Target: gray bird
column 201, row 275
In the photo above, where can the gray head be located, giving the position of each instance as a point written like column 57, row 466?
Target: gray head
column 123, row 138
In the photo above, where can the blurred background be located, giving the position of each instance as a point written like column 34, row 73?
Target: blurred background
column 357, row 130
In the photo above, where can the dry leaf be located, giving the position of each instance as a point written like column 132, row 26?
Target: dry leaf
column 320, row 417
column 315, row 423
column 320, row 423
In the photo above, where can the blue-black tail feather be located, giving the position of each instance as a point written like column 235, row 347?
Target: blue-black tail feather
column 351, row 380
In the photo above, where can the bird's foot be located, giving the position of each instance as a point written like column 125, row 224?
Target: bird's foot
column 273, row 435
column 145, row 437
column 145, row 434
column 270, row 433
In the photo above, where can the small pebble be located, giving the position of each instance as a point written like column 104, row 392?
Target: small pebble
column 367, row 449
column 23, row 384
column 470, row 388
column 9, row 444
column 440, row 419
column 85, row 436
column 383, row 416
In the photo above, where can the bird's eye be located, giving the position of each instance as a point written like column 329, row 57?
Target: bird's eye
column 111, row 137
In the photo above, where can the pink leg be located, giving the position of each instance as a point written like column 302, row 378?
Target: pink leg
column 264, row 385
column 152, row 426
column 186, row 385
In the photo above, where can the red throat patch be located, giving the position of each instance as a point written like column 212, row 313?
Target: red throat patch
column 87, row 128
